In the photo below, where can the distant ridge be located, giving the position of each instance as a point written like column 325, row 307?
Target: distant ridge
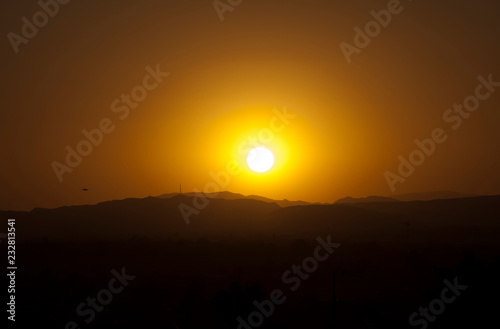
column 424, row 196
column 161, row 218
column 237, row 196
column 367, row 199
column 433, row 195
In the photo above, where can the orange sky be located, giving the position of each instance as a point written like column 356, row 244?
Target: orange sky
column 227, row 80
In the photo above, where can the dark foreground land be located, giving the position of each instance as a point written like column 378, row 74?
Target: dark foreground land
column 135, row 263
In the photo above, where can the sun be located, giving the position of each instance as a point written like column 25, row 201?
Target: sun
column 260, row 159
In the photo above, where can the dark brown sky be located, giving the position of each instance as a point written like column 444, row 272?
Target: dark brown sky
column 352, row 120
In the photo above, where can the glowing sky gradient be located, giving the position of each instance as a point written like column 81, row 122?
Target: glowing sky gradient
column 227, row 79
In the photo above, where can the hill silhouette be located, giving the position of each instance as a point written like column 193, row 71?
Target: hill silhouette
column 424, row 196
column 157, row 217
column 432, row 195
column 393, row 258
column 367, row 199
column 237, row 196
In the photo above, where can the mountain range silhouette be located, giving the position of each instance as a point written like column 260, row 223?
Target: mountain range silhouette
column 393, row 257
column 235, row 216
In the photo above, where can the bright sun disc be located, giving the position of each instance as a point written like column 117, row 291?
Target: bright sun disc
column 260, row 159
